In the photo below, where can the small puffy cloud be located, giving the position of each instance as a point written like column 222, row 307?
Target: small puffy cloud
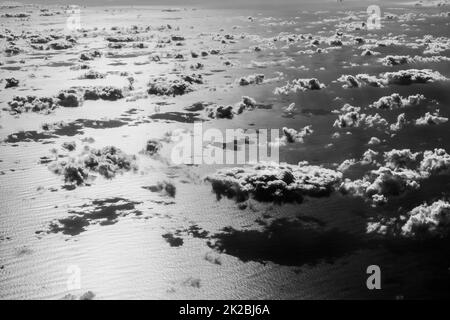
column 300, row 85
column 396, row 101
column 374, row 141
column 431, row 119
column 251, row 79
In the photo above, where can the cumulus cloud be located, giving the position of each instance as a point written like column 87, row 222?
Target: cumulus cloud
column 435, row 162
column 434, row 45
column 374, row 141
column 395, row 101
column 368, row 52
column 423, row 221
column 173, row 86
column 394, row 60
column 400, row 123
column 228, row 112
column 72, row 97
column 431, row 119
column 346, row 164
column 290, row 109
column 407, row 77
column 391, row 60
column 402, row 77
column 265, row 64
column 351, row 117
column 359, row 80
column 369, row 157
column 375, row 121
column 274, row 182
column 251, row 79
column 107, row 162
column 382, row 183
column 300, row 85
column 403, row 158
column 428, row 220
column 401, row 171
column 292, row 135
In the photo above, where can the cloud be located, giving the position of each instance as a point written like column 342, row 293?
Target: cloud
column 402, row 77
column 300, row 85
column 424, row 221
column 274, row 182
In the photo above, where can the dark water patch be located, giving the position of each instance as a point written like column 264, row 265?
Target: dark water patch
column 126, row 119
column 197, row 106
column 164, row 187
column 173, row 240
column 196, row 232
column 28, row 136
column 102, row 212
column 424, row 261
column 126, row 55
column 286, row 242
column 177, row 117
column 193, row 231
column 131, row 111
column 45, row 160
column 4, row 238
column 264, row 106
column 11, row 68
column 72, row 225
column 217, row 70
column 163, row 103
column 163, row 202
column 101, row 124
column 117, row 63
column 68, row 129
column 69, row 187
column 232, row 145
column 76, row 127
column 34, row 55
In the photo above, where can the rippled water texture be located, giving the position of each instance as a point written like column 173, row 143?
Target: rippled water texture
column 148, row 229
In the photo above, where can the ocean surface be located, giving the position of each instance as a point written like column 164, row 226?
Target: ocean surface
column 147, row 244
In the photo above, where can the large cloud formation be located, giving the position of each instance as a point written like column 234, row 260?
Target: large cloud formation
column 274, row 182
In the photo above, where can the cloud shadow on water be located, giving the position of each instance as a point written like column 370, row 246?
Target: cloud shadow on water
column 287, row 242
column 102, row 212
